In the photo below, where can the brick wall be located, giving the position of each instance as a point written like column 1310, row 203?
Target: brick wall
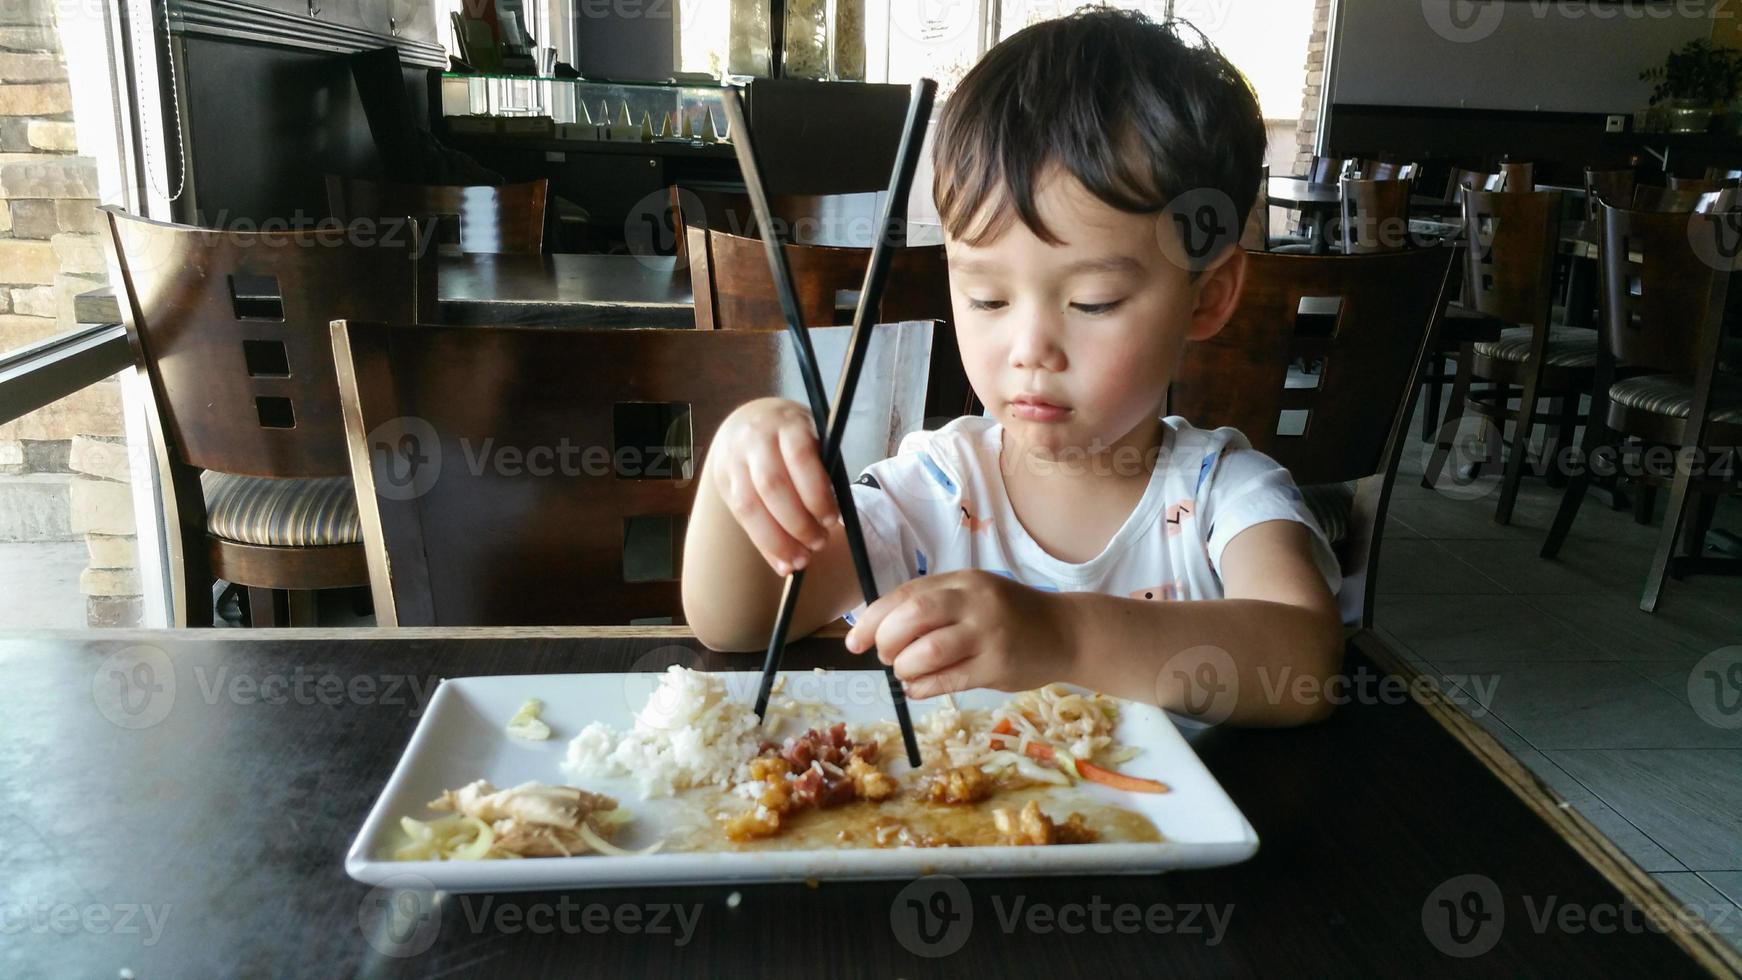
column 69, row 458
column 1315, row 80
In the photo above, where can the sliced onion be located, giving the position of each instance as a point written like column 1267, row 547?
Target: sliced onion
column 604, row 846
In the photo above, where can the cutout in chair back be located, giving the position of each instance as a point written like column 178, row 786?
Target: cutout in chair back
column 275, row 412
column 652, row 441
column 653, row 547
column 266, row 358
column 1293, row 421
column 1318, row 316
column 256, row 297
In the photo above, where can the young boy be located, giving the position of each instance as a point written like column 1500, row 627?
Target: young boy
column 1047, row 541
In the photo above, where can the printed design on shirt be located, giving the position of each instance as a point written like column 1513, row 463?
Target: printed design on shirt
column 1176, row 513
column 867, row 480
column 937, row 473
column 1160, row 593
column 1204, row 469
column 919, row 561
column 1042, row 586
column 972, row 523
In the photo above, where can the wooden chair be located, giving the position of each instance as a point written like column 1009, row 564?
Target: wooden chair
column 1649, row 197
column 1610, row 186
column 1387, row 170
column 1517, row 178
column 1666, row 281
column 505, row 218
column 1366, row 321
column 520, row 476
column 1255, row 235
column 1698, row 185
column 1375, row 215
column 229, row 334
column 1513, row 238
column 734, row 291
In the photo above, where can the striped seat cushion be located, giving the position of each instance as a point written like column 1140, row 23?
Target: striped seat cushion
column 1331, row 504
column 313, row 513
column 1665, row 394
column 1566, row 348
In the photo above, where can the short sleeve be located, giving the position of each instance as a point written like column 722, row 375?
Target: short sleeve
column 901, row 503
column 1246, row 487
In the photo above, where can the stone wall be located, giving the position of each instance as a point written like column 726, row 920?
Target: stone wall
column 1315, row 82
column 63, row 469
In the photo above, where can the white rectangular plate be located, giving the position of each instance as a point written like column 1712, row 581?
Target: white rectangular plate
column 462, row 738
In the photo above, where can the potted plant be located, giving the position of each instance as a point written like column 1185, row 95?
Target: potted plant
column 1693, row 84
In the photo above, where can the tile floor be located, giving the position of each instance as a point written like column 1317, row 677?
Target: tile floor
column 1558, row 662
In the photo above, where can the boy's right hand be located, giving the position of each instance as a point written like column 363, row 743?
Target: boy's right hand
column 767, row 467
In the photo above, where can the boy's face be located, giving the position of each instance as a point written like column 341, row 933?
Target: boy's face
column 1072, row 346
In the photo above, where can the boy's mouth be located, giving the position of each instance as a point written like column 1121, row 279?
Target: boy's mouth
column 1034, row 408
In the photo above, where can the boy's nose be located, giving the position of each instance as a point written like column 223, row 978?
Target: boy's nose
column 1035, row 347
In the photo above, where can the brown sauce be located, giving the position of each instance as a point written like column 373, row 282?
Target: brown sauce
column 854, row 825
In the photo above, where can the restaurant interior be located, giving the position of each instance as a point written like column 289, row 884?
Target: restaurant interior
column 360, row 360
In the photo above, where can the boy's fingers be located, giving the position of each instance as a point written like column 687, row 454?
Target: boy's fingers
column 921, row 611
column 805, row 464
column 768, row 474
column 935, row 651
column 777, row 547
column 946, row 681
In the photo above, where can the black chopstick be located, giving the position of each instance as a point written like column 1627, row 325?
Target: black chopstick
column 831, row 426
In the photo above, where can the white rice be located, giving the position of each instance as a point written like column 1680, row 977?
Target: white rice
column 690, row 733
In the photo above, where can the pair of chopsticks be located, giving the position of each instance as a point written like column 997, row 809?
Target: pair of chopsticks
column 832, row 424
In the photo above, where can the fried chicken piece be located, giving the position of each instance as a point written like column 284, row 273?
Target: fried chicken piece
column 964, row 784
column 869, row 782
column 758, row 823
column 890, row 832
column 1032, row 828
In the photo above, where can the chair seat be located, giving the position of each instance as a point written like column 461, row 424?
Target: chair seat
column 1331, row 504
column 1566, row 348
column 311, row 513
column 1665, row 394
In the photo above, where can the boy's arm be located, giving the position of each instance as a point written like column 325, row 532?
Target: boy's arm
column 731, row 595
column 1241, row 659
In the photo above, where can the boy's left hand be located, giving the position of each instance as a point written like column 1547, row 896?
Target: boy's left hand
column 957, row 630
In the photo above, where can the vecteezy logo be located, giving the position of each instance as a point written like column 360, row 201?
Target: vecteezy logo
column 934, row 23
column 135, row 687
column 1715, row 687
column 1464, row 916
column 933, row 916
column 399, row 917
column 1196, row 227
column 1468, row 472
column 653, row 225
column 1716, row 238
column 405, row 457
column 1202, row 681
column 1463, row 21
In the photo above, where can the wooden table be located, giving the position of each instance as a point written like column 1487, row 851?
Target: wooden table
column 564, row 290
column 1318, row 199
column 221, row 795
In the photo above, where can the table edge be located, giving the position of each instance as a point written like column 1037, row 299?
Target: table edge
column 1710, row 950
column 834, row 630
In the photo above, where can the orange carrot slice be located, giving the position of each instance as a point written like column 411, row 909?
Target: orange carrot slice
column 1119, row 780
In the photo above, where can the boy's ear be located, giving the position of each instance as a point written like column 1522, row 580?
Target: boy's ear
column 1218, row 293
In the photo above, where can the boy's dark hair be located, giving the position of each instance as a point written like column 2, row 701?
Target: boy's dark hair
column 1118, row 101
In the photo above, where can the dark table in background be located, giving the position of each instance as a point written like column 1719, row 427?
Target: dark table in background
column 563, row 290
column 224, row 802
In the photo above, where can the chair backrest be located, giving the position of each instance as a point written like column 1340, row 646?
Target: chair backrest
column 1325, row 169
column 734, row 291
column 1517, row 178
column 1699, row 185
column 1649, row 197
column 1665, row 281
column 1461, row 179
column 839, row 220
column 1612, row 186
column 504, row 218
column 1375, row 215
column 1364, row 321
column 514, row 476
column 230, row 329
column 1513, row 238
column 1387, row 170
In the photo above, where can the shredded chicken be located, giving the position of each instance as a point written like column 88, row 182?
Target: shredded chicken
column 1031, row 827
column 532, row 819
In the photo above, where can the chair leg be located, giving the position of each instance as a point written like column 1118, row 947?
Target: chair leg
column 302, row 607
column 1523, row 424
column 1699, row 523
column 1430, row 418
column 1454, row 415
column 1644, row 503
column 1666, row 539
column 267, row 608
column 1569, row 421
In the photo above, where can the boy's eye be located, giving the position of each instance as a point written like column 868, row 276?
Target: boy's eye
column 985, row 304
column 1097, row 309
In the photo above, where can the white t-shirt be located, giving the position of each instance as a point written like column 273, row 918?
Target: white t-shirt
column 939, row 505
